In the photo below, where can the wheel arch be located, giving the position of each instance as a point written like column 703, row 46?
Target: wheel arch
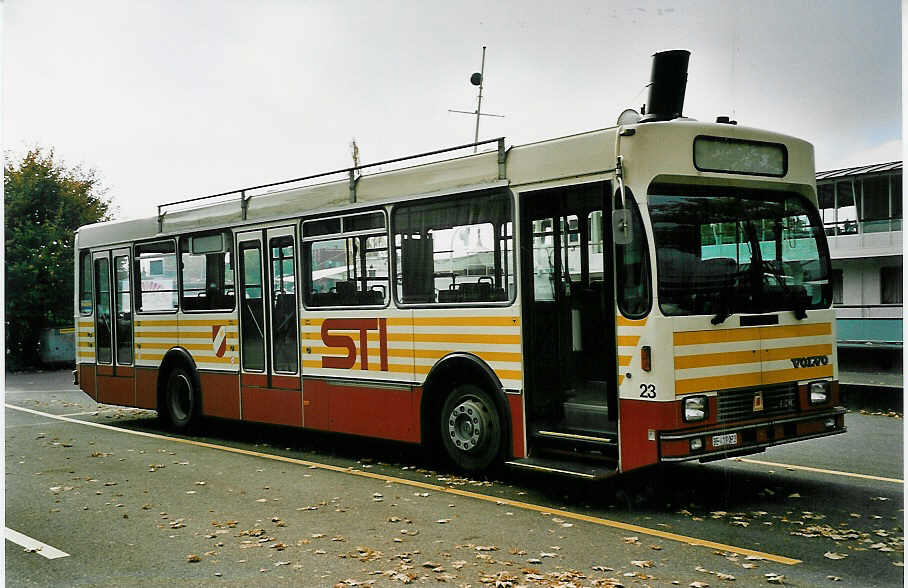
column 176, row 356
column 457, row 368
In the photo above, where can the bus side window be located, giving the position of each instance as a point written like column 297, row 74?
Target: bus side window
column 207, row 272
column 156, row 277
column 632, row 266
column 343, row 269
column 85, row 299
column 455, row 250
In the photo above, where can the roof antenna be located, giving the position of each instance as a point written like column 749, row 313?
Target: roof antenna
column 477, row 79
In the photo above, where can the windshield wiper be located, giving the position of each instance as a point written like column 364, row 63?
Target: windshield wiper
column 723, row 302
column 800, row 308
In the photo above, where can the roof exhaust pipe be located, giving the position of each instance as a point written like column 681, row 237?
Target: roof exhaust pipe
column 668, row 82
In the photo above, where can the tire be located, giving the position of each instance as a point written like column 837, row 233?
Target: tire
column 471, row 428
column 181, row 400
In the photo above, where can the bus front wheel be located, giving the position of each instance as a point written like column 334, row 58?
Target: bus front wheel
column 181, row 399
column 471, row 428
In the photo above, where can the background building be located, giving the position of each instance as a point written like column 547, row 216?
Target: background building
column 862, row 213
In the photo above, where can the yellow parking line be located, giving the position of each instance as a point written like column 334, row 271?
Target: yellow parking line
column 789, row 466
column 780, row 559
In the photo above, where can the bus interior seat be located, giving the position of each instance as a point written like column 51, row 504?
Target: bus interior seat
column 453, row 294
column 346, row 292
column 371, row 297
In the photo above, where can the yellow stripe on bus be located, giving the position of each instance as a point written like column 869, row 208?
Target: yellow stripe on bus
column 749, row 356
column 437, row 321
column 157, row 323
column 691, row 385
column 751, row 334
column 392, row 367
column 157, row 334
column 626, row 322
column 190, row 346
column 457, row 321
column 417, row 353
column 794, row 374
column 427, row 337
column 778, row 353
column 683, row 362
column 628, row 340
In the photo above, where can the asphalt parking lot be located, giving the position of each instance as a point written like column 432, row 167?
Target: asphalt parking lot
column 130, row 504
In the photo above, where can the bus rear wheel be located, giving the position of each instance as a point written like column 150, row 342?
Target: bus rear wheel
column 181, row 399
column 471, row 428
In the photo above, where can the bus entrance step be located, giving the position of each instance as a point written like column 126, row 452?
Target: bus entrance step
column 560, row 467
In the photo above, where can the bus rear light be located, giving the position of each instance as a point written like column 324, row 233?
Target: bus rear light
column 646, row 358
column 695, row 408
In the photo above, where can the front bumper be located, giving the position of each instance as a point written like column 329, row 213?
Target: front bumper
column 749, row 437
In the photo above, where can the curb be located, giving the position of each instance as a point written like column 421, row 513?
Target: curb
column 872, row 397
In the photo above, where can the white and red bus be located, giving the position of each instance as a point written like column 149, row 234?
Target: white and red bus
column 652, row 292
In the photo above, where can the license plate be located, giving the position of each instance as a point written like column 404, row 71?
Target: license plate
column 725, row 440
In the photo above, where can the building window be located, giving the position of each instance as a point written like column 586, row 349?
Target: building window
column 891, row 285
column 455, row 250
column 826, row 200
column 156, row 277
column 896, row 185
column 838, row 294
column 875, row 204
column 347, row 260
column 846, row 210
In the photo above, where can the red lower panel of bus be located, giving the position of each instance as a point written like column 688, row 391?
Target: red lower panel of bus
column 147, row 388
column 277, row 405
column 387, row 413
column 515, row 404
column 116, row 386
column 87, row 379
column 220, row 395
column 638, row 417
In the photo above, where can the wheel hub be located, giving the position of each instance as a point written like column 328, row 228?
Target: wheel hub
column 180, row 400
column 467, row 424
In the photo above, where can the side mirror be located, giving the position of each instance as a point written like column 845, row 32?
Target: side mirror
column 622, row 231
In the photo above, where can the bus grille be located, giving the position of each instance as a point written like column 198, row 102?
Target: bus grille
column 738, row 405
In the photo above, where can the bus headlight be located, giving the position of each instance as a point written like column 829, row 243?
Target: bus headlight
column 695, row 409
column 819, row 392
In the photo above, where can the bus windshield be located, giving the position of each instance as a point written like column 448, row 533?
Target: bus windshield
column 724, row 250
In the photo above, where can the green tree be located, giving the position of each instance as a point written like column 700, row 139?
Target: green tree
column 44, row 203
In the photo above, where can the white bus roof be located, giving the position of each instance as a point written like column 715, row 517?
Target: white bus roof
column 572, row 159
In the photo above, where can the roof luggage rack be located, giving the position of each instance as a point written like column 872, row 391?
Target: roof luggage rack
column 350, row 171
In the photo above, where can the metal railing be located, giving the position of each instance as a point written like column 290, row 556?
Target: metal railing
column 350, row 171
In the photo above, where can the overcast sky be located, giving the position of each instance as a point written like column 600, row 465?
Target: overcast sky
column 174, row 99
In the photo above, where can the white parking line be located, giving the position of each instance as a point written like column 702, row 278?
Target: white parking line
column 789, row 466
column 33, row 545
